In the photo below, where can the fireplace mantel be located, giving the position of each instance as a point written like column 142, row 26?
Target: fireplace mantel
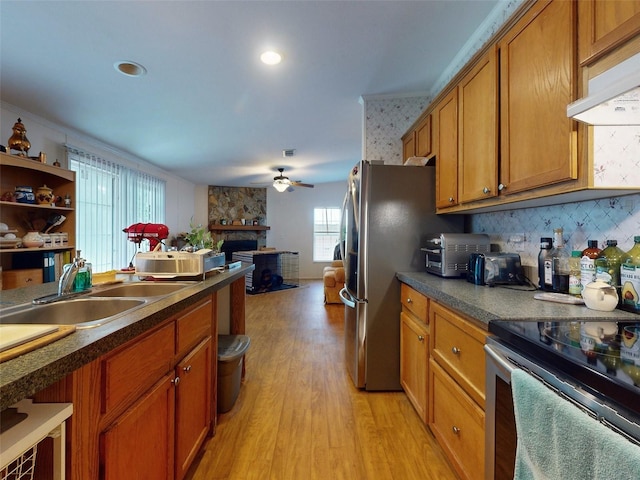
column 223, row 228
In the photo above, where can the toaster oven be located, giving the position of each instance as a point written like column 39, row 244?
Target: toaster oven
column 447, row 254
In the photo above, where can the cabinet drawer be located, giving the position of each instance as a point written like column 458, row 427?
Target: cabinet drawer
column 21, row 278
column 130, row 371
column 458, row 347
column 193, row 326
column 457, row 423
column 415, row 302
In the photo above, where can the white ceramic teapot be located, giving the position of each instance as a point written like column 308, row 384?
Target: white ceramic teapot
column 600, row 296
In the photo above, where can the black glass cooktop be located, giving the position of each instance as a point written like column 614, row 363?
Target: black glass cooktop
column 604, row 357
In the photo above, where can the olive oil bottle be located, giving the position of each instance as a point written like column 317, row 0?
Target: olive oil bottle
column 630, row 278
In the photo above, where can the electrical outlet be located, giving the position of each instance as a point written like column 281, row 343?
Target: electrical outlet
column 516, row 241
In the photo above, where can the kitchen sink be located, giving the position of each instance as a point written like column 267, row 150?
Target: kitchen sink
column 140, row 289
column 82, row 312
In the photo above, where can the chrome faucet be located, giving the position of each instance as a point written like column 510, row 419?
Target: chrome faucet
column 65, row 284
column 68, row 276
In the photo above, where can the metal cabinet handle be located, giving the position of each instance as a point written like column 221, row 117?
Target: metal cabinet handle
column 409, row 300
column 420, row 338
column 450, row 199
column 502, row 186
column 175, row 381
column 456, row 430
column 186, row 369
column 455, row 350
column 486, row 190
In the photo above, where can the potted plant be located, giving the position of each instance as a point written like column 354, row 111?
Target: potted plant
column 200, row 237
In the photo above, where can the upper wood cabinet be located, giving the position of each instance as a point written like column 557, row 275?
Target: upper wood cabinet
column 445, row 116
column 605, row 24
column 537, row 82
column 423, row 137
column 478, row 130
column 417, row 142
column 408, row 145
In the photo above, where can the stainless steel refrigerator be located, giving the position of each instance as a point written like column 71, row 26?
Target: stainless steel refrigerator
column 388, row 212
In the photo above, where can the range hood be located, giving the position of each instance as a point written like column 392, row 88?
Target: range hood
column 614, row 97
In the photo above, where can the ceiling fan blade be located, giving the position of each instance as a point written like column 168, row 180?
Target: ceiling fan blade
column 300, row 184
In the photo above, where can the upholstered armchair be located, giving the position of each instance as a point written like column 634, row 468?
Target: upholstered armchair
column 333, row 278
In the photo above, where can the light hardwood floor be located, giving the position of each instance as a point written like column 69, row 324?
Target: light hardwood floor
column 298, row 415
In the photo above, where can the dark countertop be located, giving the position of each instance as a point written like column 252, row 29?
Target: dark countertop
column 29, row 373
column 499, row 303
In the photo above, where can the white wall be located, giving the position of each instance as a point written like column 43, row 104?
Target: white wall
column 290, row 216
column 50, row 138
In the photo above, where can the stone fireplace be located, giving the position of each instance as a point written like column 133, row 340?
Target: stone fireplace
column 233, row 205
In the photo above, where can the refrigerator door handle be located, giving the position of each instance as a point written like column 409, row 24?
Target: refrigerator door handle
column 343, row 233
column 347, row 299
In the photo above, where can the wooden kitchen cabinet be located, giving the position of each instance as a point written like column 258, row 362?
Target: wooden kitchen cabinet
column 457, row 389
column 414, row 348
column 144, row 409
column 414, row 362
column 193, row 405
column 457, row 422
column 478, row 130
column 604, row 25
column 445, row 117
column 20, row 171
column 408, row 145
column 537, row 82
column 417, row 142
column 139, row 444
column 458, row 346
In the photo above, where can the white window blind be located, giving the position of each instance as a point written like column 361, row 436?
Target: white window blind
column 109, row 198
column 326, row 232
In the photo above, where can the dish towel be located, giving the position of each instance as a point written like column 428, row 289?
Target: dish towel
column 558, row 441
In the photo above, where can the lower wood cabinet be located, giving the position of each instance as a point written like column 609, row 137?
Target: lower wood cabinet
column 457, row 422
column 143, row 410
column 457, row 389
column 193, row 405
column 442, row 371
column 139, row 444
column 414, row 362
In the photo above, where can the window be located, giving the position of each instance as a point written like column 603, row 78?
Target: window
column 110, row 197
column 326, row 233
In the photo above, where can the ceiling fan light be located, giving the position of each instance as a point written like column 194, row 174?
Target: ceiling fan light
column 280, row 185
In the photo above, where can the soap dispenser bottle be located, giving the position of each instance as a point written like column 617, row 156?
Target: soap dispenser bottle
column 82, row 280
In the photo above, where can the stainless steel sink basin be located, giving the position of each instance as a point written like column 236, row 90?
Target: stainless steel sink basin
column 82, row 312
column 140, row 289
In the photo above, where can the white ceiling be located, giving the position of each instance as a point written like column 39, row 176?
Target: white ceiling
column 208, row 109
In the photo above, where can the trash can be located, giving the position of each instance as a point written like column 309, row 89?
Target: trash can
column 231, row 350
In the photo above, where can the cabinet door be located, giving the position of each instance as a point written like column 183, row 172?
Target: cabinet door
column 423, row 138
column 193, row 405
column 458, row 424
column 537, row 82
column 139, row 444
column 446, row 120
column 414, row 340
column 408, row 145
column 478, row 130
column 605, row 24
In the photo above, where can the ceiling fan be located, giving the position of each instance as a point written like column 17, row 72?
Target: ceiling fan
column 282, row 183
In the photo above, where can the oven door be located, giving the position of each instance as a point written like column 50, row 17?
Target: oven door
column 500, row 427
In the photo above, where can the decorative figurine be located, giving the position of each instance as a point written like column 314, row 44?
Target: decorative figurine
column 18, row 141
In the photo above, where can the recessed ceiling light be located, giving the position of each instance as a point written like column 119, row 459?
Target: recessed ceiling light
column 271, row 58
column 130, row 69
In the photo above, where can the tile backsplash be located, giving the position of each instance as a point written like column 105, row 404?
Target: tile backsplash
column 616, row 218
